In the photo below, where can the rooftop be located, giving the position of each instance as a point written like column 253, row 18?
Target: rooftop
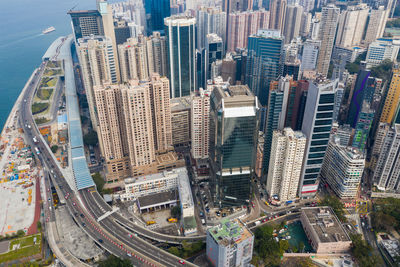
column 229, row 232
column 180, row 103
column 185, row 193
column 154, row 199
column 325, row 224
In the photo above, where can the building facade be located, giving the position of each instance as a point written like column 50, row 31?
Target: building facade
column 392, row 98
column 342, row 169
column 181, row 54
column 387, row 171
column 327, row 33
column 317, row 128
column 287, row 152
column 233, row 143
column 200, row 120
column 265, row 60
column 230, row 244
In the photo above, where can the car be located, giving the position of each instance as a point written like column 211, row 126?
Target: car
column 252, row 204
column 83, row 224
column 76, row 214
column 83, row 216
column 129, row 254
column 223, row 214
column 181, row 262
column 49, row 199
column 73, row 203
column 264, row 220
column 207, row 210
column 100, row 240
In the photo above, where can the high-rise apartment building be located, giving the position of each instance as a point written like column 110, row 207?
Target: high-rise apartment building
column 161, row 113
column 379, row 139
column 363, row 127
column 111, row 130
column 156, row 11
column 317, row 124
column 392, row 98
column 308, row 5
column 86, row 23
column 181, row 54
column 97, row 61
column 265, row 59
column 292, row 22
column 387, row 171
column 284, row 172
column 230, row 244
column 327, row 33
column 200, row 120
column 243, row 24
column 134, row 125
column 279, row 93
column 233, row 143
column 376, row 24
column 210, row 20
column 299, row 104
column 351, row 25
column 140, row 57
column 277, row 9
column 342, row 169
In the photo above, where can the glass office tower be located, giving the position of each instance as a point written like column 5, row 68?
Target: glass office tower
column 181, row 53
column 233, row 144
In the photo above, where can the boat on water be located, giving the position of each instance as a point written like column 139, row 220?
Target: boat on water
column 49, row 30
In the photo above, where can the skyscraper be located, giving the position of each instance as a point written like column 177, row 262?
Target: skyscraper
column 210, row 20
column 292, row 22
column 140, row 57
column 97, row 61
column 157, row 11
column 387, row 171
column 277, row 9
column 86, row 23
column 364, row 90
column 285, row 164
column 342, row 169
column 327, row 32
column 264, row 62
column 351, row 25
column 233, row 143
column 317, row 124
column 111, row 131
column 180, row 32
column 376, row 24
column 243, row 24
column 392, row 98
column 200, row 112
column 277, row 106
column 214, row 51
column 363, row 126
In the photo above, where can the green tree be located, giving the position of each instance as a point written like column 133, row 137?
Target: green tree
column 54, row 148
column 383, row 71
column 175, row 251
column 39, row 226
column 336, row 205
column 20, row 233
column 90, row 138
column 363, row 252
column 354, row 67
column 113, row 261
column 99, row 181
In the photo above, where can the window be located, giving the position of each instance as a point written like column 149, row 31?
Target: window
column 325, row 108
column 324, row 115
column 327, row 99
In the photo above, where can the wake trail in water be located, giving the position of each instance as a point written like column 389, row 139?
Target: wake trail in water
column 29, row 37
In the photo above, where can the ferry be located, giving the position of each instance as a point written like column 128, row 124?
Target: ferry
column 49, row 30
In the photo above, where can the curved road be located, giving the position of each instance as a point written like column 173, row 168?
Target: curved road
column 108, row 234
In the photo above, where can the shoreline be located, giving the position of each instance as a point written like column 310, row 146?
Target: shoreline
column 13, row 113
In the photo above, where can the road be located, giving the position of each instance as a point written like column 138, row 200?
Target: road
column 108, row 234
